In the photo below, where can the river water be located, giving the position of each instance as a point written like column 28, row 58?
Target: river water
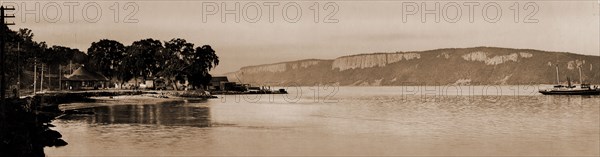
column 363, row 121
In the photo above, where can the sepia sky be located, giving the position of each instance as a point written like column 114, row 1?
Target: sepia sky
column 354, row 26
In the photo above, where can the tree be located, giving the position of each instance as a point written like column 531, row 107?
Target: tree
column 25, row 34
column 126, row 69
column 21, row 53
column 173, row 57
column 56, row 56
column 79, row 57
column 202, row 61
column 178, row 60
column 105, row 56
column 59, row 55
column 142, row 55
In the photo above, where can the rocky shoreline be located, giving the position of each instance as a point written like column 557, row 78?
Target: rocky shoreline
column 26, row 128
column 26, row 124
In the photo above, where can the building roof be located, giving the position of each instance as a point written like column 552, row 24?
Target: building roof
column 219, row 79
column 83, row 74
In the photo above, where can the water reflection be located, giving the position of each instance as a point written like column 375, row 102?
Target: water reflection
column 373, row 124
column 171, row 113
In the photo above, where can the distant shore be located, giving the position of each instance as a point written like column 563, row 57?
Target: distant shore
column 115, row 93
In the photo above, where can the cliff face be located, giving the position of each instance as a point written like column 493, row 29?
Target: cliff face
column 480, row 65
column 371, row 60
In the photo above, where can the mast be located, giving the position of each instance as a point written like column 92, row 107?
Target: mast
column 557, row 79
column 580, row 79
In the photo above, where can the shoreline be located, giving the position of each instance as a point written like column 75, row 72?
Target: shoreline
column 28, row 118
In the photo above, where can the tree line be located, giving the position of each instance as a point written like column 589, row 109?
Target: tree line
column 176, row 60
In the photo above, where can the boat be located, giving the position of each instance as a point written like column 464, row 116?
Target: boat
column 569, row 89
column 583, row 89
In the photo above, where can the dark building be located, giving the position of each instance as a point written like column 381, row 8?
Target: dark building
column 218, row 83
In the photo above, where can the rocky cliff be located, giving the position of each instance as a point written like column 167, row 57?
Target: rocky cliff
column 475, row 66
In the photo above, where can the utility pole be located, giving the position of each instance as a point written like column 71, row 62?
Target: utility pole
column 60, row 77
column 34, row 74
column 2, row 61
column 3, row 52
column 18, row 69
column 49, row 78
column 42, row 79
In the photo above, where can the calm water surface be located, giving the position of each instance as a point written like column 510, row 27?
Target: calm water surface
column 364, row 121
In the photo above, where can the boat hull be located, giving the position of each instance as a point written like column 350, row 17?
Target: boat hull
column 570, row 92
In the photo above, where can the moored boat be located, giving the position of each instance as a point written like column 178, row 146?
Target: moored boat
column 583, row 89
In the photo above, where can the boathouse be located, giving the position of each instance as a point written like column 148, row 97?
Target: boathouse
column 217, row 83
column 84, row 79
